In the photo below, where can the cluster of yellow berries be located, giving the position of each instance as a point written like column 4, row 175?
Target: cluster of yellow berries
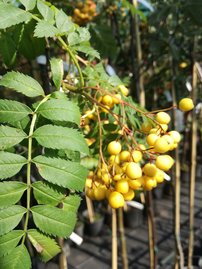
column 125, row 171
column 84, row 12
column 119, row 178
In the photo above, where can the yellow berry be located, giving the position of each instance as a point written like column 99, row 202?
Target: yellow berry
column 114, row 148
column 175, row 136
column 124, row 156
column 133, row 170
column 151, row 139
column 107, row 100
column 186, row 104
column 163, row 117
column 159, row 176
column 134, row 184
column 136, row 155
column 123, row 90
column 164, row 162
column 116, row 199
column 161, row 145
column 100, row 193
column 129, row 195
column 150, row 169
column 122, row 186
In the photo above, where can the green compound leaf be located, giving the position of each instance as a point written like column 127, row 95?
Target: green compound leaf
column 22, row 83
column 45, row 29
column 44, row 194
column 11, row 192
column 53, row 220
column 57, row 71
column 9, row 241
column 10, row 164
column 19, row 258
column 60, row 110
column 10, row 136
column 28, row 4
column 57, row 137
column 10, row 217
column 63, row 173
column 44, row 245
column 11, row 111
column 11, row 15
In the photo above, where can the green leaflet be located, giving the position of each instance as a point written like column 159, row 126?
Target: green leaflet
column 11, row 111
column 88, row 50
column 10, row 136
column 45, row 10
column 45, row 29
column 10, row 164
column 58, row 137
column 63, row 22
column 44, row 245
column 71, row 203
column 44, row 194
column 57, row 71
column 22, row 124
column 22, row 83
column 28, row 4
column 11, row 15
column 60, row 110
column 63, row 173
column 53, row 220
column 10, row 217
column 81, row 35
column 9, row 241
column 11, row 192
column 8, row 49
column 18, row 259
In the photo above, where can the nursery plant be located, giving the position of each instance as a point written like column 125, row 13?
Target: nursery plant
column 48, row 141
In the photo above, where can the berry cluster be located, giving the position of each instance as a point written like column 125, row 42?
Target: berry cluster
column 131, row 166
column 84, row 12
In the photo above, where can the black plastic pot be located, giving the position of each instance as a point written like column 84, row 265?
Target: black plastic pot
column 133, row 217
column 93, row 228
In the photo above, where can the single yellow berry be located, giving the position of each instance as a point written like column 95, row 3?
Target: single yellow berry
column 164, row 162
column 114, row 148
column 133, row 170
column 150, row 169
column 116, row 199
column 163, row 117
column 186, row 104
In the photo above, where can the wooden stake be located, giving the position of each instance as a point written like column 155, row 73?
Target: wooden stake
column 63, row 256
column 114, row 240
column 179, row 258
column 91, row 213
column 140, row 77
column 151, row 231
column 193, row 173
column 123, row 239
